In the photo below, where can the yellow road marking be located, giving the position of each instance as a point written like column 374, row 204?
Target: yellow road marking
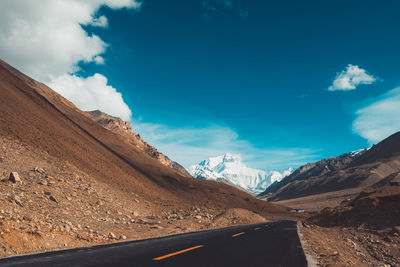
column 177, row 252
column 257, row 228
column 241, row 233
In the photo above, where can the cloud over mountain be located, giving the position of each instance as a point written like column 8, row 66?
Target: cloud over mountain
column 90, row 93
column 209, row 140
column 379, row 119
column 46, row 40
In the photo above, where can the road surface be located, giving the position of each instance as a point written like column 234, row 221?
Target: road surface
column 267, row 244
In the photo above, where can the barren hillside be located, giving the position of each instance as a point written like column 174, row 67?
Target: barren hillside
column 376, row 167
column 82, row 183
column 124, row 128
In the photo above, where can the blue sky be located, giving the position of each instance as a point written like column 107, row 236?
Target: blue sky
column 204, row 77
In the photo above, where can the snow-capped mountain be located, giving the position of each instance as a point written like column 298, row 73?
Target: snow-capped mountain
column 230, row 169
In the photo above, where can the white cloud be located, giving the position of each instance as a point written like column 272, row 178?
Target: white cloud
column 91, row 93
column 101, row 21
column 116, row 4
column 350, row 78
column 99, row 60
column 379, row 119
column 46, row 41
column 189, row 145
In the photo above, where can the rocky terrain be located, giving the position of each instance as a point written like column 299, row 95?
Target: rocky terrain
column 338, row 246
column 53, row 205
column 67, row 181
column 364, row 231
column 124, row 128
column 47, row 204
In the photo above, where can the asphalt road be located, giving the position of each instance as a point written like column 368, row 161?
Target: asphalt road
column 267, row 244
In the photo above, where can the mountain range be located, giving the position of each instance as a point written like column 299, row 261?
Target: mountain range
column 278, row 190
column 338, row 178
column 230, row 169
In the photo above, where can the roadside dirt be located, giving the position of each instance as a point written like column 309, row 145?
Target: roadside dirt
column 336, row 246
column 364, row 231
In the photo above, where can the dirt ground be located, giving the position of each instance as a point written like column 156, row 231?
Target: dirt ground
column 362, row 231
column 337, row 246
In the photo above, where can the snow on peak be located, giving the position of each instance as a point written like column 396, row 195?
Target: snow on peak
column 230, row 169
column 358, row 152
column 228, row 157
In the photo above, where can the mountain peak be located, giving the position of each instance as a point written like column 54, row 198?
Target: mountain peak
column 228, row 157
column 230, row 169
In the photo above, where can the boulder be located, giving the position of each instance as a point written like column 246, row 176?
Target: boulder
column 14, row 177
column 112, row 235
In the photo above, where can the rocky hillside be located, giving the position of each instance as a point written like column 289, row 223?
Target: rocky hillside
column 376, row 167
column 67, row 181
column 125, row 129
column 313, row 169
column 230, row 169
column 362, row 231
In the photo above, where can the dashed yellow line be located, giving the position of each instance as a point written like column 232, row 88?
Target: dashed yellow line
column 257, row 228
column 177, row 252
column 241, row 233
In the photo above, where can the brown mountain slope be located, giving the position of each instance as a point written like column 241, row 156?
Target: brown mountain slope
column 313, row 169
column 385, row 151
column 84, row 184
column 125, row 129
column 376, row 167
column 36, row 115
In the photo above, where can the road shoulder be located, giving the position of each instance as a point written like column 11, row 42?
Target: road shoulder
column 311, row 262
